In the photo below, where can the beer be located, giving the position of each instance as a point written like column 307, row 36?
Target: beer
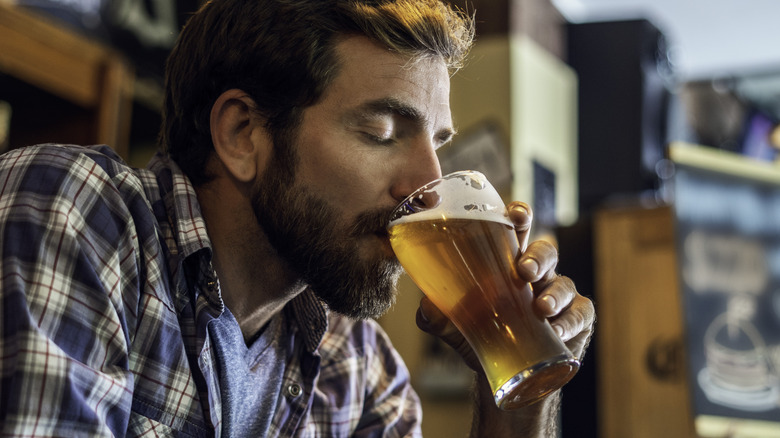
column 466, row 267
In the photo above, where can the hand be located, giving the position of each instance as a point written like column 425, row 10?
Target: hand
column 571, row 315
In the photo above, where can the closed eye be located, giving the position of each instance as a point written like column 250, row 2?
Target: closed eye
column 379, row 140
column 396, row 119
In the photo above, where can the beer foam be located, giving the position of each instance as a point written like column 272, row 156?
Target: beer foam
column 491, row 213
column 462, row 195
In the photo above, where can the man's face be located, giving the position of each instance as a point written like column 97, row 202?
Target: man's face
column 367, row 144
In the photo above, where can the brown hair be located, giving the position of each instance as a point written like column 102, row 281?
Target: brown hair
column 281, row 53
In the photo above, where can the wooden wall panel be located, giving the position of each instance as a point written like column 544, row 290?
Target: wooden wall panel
column 642, row 377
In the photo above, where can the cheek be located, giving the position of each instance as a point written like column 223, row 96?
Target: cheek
column 351, row 182
column 343, row 171
column 355, row 189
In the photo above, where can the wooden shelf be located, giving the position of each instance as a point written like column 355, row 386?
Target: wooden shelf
column 68, row 67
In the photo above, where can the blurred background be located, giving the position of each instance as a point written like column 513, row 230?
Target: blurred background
column 643, row 132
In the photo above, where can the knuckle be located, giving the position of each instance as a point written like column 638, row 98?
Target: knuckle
column 567, row 282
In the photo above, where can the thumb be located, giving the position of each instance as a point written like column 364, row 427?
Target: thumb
column 433, row 321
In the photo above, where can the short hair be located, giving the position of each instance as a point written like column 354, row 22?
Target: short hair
column 282, row 54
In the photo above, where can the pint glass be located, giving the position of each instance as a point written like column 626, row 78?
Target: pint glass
column 453, row 238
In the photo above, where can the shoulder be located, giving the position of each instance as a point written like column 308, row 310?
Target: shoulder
column 62, row 156
column 53, row 177
column 84, row 209
column 62, row 170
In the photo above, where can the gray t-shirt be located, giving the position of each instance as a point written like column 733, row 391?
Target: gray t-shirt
column 250, row 377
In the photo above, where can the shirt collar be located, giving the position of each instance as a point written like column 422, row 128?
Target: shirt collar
column 182, row 206
column 312, row 318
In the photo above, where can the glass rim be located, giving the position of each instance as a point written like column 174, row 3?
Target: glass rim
column 438, row 180
column 407, row 202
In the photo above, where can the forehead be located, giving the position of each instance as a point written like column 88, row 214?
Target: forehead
column 368, row 71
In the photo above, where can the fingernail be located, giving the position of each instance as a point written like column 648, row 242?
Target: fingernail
column 520, row 208
column 550, row 300
column 558, row 330
column 423, row 315
column 531, row 266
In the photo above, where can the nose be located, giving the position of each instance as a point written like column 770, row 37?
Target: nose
column 420, row 167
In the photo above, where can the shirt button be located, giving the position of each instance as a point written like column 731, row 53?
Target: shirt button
column 294, row 390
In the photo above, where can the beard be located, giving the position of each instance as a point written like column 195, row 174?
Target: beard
column 308, row 234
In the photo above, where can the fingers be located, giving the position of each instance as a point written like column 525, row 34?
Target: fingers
column 555, row 295
column 571, row 315
column 538, row 262
column 521, row 216
column 575, row 325
column 574, row 318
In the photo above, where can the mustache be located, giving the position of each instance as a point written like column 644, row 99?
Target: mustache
column 372, row 222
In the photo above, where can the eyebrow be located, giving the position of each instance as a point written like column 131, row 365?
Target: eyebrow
column 393, row 106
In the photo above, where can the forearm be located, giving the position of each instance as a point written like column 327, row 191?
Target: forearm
column 538, row 420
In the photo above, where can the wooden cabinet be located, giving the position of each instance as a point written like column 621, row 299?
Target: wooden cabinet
column 642, row 376
column 62, row 86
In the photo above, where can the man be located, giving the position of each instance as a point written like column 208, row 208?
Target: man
column 226, row 290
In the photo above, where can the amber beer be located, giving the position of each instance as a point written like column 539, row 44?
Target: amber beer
column 466, row 267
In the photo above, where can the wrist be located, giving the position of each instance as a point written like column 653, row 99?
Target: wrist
column 539, row 419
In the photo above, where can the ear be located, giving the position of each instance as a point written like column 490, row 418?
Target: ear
column 239, row 136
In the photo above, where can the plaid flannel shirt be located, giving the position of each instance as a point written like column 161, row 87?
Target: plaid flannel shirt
column 106, row 287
